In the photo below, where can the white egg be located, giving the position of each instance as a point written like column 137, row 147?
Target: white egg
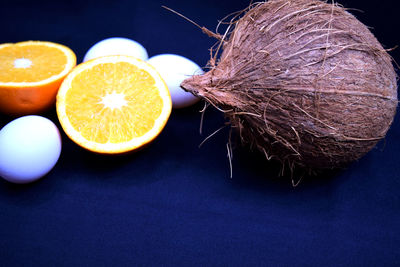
column 116, row 46
column 29, row 148
column 174, row 69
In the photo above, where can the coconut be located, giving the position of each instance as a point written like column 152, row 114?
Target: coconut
column 304, row 82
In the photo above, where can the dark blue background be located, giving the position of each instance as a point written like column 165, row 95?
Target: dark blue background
column 173, row 203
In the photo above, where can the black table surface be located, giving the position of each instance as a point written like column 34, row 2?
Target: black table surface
column 173, row 203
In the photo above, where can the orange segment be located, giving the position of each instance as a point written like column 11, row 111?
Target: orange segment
column 25, row 63
column 30, row 75
column 113, row 104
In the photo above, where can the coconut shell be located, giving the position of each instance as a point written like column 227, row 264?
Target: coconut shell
column 304, row 82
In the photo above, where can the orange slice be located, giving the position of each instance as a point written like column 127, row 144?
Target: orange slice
column 113, row 104
column 30, row 74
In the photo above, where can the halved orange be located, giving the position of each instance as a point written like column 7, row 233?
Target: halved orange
column 30, row 74
column 113, row 104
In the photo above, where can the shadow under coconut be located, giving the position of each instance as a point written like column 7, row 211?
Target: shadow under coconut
column 251, row 169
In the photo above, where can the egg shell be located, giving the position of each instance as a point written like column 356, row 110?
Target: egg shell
column 30, row 146
column 174, row 69
column 116, row 46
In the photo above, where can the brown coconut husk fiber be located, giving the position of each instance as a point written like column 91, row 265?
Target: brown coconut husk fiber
column 304, row 82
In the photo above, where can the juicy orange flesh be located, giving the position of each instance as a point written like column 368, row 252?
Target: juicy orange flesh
column 100, row 123
column 45, row 62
